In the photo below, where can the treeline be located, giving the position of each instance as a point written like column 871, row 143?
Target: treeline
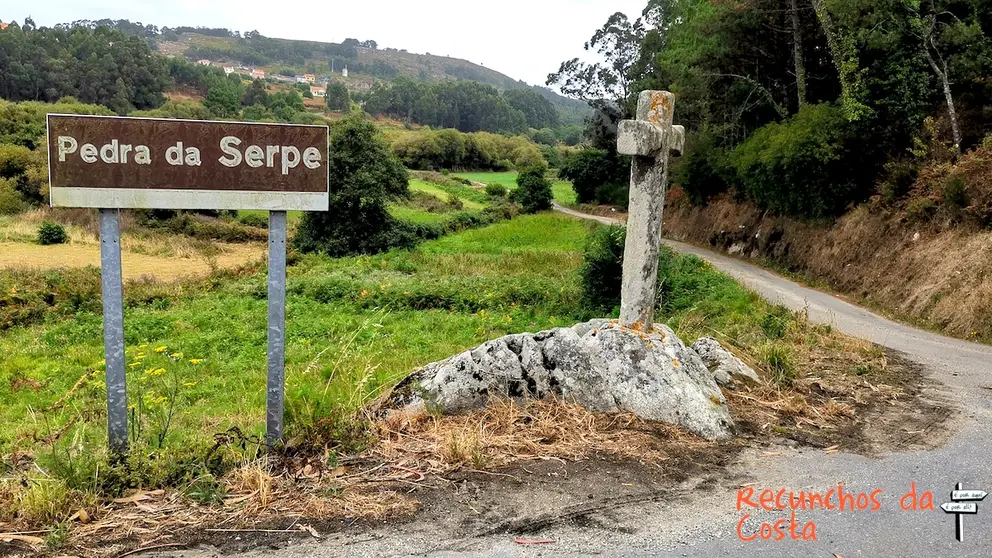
column 467, row 106
column 453, row 150
column 803, row 106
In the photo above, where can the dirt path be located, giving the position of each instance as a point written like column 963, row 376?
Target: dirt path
column 699, row 516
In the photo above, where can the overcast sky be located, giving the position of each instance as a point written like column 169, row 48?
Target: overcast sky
column 524, row 39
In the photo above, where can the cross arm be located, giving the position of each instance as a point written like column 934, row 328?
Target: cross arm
column 646, row 139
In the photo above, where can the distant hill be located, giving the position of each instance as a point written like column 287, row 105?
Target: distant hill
column 362, row 58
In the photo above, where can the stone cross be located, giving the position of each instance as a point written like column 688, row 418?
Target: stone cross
column 649, row 139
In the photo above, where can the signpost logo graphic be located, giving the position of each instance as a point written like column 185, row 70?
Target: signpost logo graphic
column 963, row 502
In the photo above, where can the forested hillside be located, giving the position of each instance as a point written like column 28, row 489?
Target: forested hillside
column 804, row 107
column 128, row 66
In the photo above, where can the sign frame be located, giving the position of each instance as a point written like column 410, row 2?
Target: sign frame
column 182, row 198
column 276, row 202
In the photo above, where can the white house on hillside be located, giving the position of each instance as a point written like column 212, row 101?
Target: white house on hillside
column 318, row 91
column 203, row 62
column 344, row 72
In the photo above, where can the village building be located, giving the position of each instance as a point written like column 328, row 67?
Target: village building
column 228, row 70
column 260, row 74
column 309, row 78
column 344, row 72
column 3, row 25
column 318, row 91
column 203, row 62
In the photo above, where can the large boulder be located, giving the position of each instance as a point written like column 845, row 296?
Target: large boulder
column 598, row 365
column 726, row 368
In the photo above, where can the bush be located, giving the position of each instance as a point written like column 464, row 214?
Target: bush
column 920, row 210
column 254, row 220
column 533, row 191
column 811, row 165
column 52, row 233
column 363, row 176
column 614, row 194
column 701, row 171
column 495, row 190
column 955, row 195
column 601, row 275
column 11, row 201
column 590, row 169
column 900, row 174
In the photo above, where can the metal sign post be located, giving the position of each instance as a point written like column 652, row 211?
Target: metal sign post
column 276, row 397
column 109, row 162
column 113, row 328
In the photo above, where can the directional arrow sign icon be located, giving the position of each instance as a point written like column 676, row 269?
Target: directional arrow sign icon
column 959, row 507
column 966, row 495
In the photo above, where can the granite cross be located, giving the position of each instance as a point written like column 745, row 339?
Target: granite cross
column 649, row 139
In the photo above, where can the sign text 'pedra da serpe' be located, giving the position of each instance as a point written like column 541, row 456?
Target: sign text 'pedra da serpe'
column 112, row 162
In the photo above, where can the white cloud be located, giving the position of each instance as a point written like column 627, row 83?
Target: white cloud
column 525, row 39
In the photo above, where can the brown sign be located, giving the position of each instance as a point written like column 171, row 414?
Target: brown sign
column 112, row 162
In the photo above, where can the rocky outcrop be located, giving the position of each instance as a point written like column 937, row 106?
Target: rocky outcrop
column 726, row 368
column 598, row 365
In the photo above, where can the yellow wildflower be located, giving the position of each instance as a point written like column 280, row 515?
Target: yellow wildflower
column 189, row 384
column 177, row 356
column 135, row 364
column 161, row 349
column 195, row 361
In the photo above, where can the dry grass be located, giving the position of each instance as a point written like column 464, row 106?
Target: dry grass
column 506, row 433
column 164, row 257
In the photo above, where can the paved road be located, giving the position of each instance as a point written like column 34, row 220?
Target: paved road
column 704, row 522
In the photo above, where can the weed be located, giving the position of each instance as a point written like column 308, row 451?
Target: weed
column 45, row 502
column 778, row 358
column 58, row 538
column 206, row 490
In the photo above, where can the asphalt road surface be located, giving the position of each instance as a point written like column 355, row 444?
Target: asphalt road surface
column 694, row 522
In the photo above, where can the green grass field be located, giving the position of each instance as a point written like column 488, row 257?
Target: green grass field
column 561, row 189
column 354, row 327
column 437, row 191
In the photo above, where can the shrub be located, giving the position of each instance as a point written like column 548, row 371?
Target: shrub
column 811, row 165
column 900, row 174
column 495, row 190
column 920, row 210
column 533, row 191
column 955, row 195
column 363, row 176
column 601, row 275
column 11, row 201
column 701, row 171
column 614, row 194
column 52, row 233
column 590, row 169
column 254, row 220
